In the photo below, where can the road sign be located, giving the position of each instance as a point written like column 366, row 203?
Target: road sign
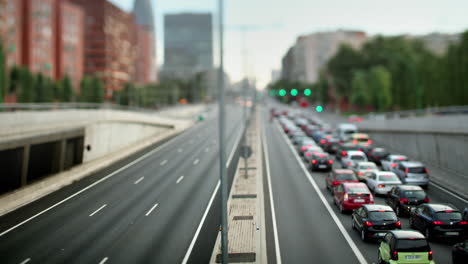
column 245, row 152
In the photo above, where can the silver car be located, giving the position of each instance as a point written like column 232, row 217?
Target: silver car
column 413, row 172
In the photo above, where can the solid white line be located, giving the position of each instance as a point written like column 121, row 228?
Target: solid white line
column 139, row 180
column 342, row 229
column 25, row 261
column 196, row 162
column 151, row 210
column 99, row 209
column 448, row 192
column 180, row 179
column 104, row 260
column 195, row 237
column 270, row 190
column 90, row 186
column 163, row 162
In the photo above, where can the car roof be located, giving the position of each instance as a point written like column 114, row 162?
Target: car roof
column 442, row 207
column 354, row 184
column 379, row 149
column 377, row 207
column 356, row 152
column 396, row 156
column 366, row 163
column 378, row 173
column 412, row 164
column 359, row 135
column 343, row 171
column 409, row 187
column 407, row 234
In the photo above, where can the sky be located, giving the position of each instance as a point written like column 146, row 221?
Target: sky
column 273, row 25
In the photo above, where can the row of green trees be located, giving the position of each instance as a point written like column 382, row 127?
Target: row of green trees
column 392, row 73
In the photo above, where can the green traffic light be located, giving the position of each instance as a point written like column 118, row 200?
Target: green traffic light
column 282, row 92
column 294, row 92
column 319, row 108
column 307, row 92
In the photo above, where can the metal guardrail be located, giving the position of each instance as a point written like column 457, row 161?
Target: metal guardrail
column 64, row 106
column 448, row 110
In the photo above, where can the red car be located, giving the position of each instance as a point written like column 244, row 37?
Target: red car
column 339, row 176
column 350, row 195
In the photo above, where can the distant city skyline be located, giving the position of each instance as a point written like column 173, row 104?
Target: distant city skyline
column 279, row 23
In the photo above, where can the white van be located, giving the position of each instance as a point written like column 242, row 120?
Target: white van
column 346, row 130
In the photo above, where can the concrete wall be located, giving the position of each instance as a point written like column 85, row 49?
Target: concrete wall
column 105, row 137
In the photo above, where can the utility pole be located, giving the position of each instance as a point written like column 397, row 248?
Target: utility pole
column 221, row 115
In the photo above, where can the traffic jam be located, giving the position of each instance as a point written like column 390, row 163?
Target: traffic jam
column 356, row 172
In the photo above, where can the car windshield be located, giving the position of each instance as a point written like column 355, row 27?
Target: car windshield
column 349, row 132
column 357, row 157
column 448, row 216
column 345, row 177
column 382, row 216
column 388, row 177
column 367, row 167
column 419, row 194
column 358, row 190
column 417, row 170
column 412, row 245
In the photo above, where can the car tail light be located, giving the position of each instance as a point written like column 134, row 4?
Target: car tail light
column 330, row 161
column 360, row 173
column 406, row 171
column 314, row 161
column 463, row 222
column 335, row 183
column 403, row 200
column 343, row 153
column 371, row 198
column 368, row 223
column 346, row 197
column 395, row 255
column 329, row 143
column 303, row 148
column 349, row 163
column 380, row 186
column 438, row 223
column 355, row 141
column 307, row 154
column 398, row 224
column 426, row 200
column 370, row 141
column 359, row 150
column 429, row 255
column 393, row 165
column 322, row 141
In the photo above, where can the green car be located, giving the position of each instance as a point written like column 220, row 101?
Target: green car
column 405, row 246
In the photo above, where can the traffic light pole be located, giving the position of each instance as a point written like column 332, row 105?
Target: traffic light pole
column 221, row 115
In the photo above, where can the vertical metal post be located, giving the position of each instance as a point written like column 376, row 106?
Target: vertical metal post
column 221, row 114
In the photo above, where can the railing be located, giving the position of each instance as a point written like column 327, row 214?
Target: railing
column 448, row 110
column 63, row 106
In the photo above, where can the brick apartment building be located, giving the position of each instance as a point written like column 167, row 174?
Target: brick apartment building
column 11, row 30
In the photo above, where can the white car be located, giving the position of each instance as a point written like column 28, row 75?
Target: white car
column 364, row 167
column 391, row 162
column 352, row 158
column 382, row 182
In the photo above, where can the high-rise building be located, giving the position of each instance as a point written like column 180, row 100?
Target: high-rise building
column 146, row 62
column 11, row 30
column 188, row 44
column 310, row 54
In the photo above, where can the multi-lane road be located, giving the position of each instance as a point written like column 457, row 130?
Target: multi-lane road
column 146, row 209
column 309, row 226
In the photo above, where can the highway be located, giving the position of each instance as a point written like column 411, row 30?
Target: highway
column 309, row 226
column 146, row 209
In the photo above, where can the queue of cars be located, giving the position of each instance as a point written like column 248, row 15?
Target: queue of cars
column 401, row 181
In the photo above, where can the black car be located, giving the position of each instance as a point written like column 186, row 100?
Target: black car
column 344, row 148
column 373, row 221
column 404, row 197
column 460, row 253
column 321, row 161
column 332, row 145
column 439, row 221
column 377, row 154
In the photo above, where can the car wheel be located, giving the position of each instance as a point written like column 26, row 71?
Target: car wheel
column 363, row 235
column 397, row 211
column 380, row 260
column 428, row 234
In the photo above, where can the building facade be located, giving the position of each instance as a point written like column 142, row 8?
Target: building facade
column 310, row 54
column 146, row 70
column 188, row 44
column 11, row 30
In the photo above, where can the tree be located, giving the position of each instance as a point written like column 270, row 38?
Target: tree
column 85, row 90
column 24, row 84
column 360, row 89
column 380, row 81
column 67, row 89
column 97, row 90
column 3, row 74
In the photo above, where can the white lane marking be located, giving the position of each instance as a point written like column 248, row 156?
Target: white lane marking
column 163, row 162
column 151, row 210
column 196, row 162
column 139, row 180
column 25, row 261
column 207, row 149
column 94, row 184
column 335, row 218
column 179, row 150
column 99, row 209
column 448, row 192
column 195, row 237
column 104, row 260
column 270, row 190
column 180, row 179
